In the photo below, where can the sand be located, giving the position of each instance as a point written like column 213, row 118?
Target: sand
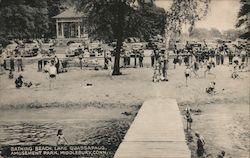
column 222, row 122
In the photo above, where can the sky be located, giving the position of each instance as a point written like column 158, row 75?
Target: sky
column 222, row 13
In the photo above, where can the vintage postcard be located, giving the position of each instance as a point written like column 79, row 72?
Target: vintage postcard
column 124, row 78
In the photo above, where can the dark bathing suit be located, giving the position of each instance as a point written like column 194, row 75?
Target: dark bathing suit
column 52, row 76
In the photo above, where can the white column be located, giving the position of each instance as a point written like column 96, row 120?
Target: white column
column 62, row 29
column 57, row 31
column 79, row 30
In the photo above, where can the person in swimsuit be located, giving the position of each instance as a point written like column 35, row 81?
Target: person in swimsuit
column 209, row 66
column 61, row 140
column 187, row 73
column 108, row 64
column 52, row 73
column 200, row 145
column 19, row 81
column 188, row 118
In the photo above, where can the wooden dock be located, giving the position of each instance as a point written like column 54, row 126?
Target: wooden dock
column 157, row 132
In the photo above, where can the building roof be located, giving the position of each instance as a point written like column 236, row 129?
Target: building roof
column 69, row 13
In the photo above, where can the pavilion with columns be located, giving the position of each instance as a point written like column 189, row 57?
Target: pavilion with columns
column 69, row 26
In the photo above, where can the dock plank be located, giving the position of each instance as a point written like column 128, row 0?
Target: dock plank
column 157, row 132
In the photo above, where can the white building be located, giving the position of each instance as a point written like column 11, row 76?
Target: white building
column 69, row 26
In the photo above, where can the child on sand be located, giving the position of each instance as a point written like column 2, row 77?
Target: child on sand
column 157, row 71
column 61, row 139
column 235, row 74
column 108, row 65
column 221, row 154
column 195, row 68
column 211, row 88
column 209, row 66
column 19, row 81
column 11, row 75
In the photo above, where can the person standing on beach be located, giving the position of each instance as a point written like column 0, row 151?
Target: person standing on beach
column 2, row 62
column 19, row 63
column 52, row 73
column 187, row 73
column 200, row 145
column 80, row 60
column 152, row 56
column 217, row 56
column 12, row 63
column 57, row 64
column 208, row 69
column 243, row 54
column 180, row 60
column 188, row 118
column 141, row 55
column 186, row 60
column 164, row 66
column 222, row 54
column 108, row 64
column 175, row 61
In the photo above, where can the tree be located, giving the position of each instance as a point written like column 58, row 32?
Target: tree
column 243, row 19
column 111, row 20
column 186, row 12
column 232, row 34
column 54, row 8
column 29, row 18
column 117, row 19
column 23, row 18
column 215, row 33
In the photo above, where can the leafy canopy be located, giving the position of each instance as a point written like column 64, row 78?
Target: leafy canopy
column 243, row 18
column 28, row 18
column 139, row 19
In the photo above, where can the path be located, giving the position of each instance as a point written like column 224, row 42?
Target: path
column 157, row 132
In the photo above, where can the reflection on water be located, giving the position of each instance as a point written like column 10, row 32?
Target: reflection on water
column 39, row 126
column 226, row 127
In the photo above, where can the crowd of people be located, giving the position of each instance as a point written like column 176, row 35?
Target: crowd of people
column 193, row 59
column 197, row 58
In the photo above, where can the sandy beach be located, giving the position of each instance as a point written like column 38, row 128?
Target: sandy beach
column 222, row 116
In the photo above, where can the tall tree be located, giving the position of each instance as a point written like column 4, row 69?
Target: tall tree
column 117, row 19
column 244, row 18
column 185, row 12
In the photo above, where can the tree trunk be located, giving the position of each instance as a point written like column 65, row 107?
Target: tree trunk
column 116, row 70
column 135, row 61
column 119, row 35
